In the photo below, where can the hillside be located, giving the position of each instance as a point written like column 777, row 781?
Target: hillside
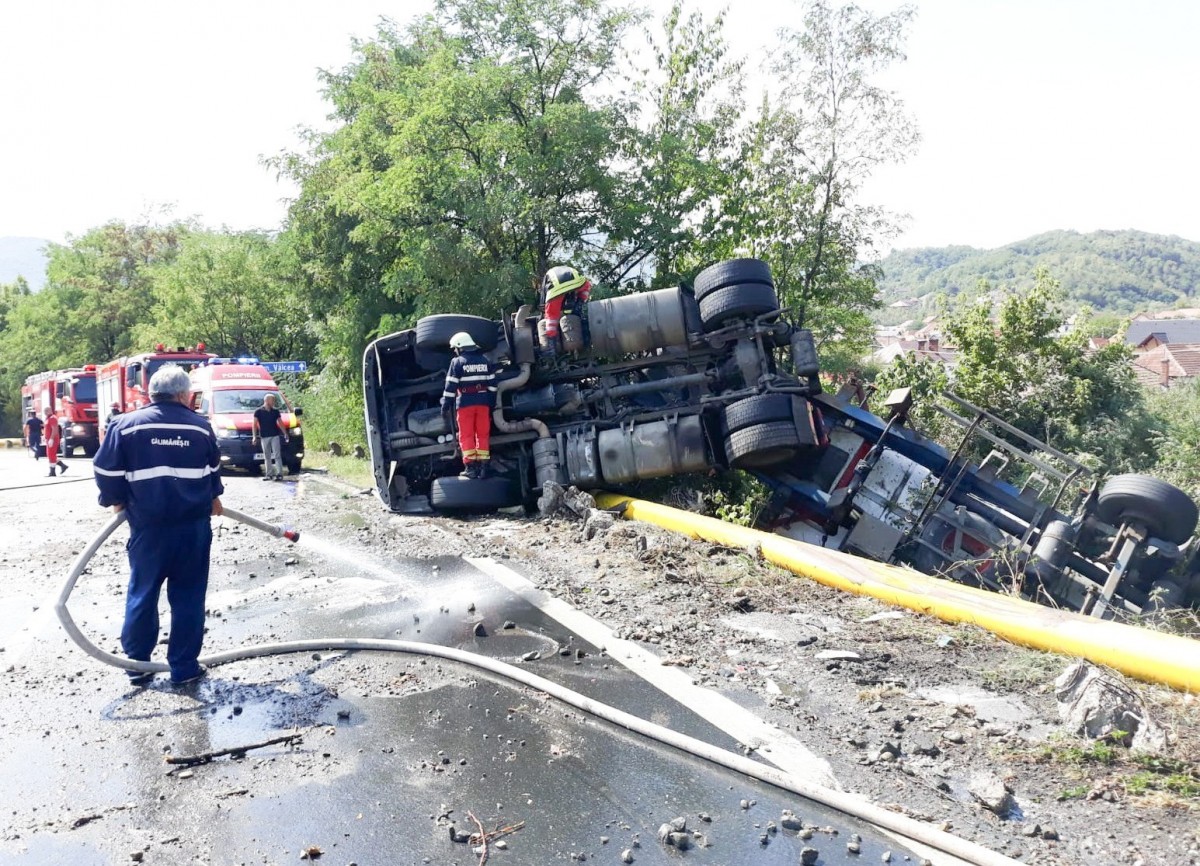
column 23, row 257
column 1114, row 271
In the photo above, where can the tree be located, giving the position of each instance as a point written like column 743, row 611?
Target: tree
column 234, row 292
column 1024, row 367
column 476, row 147
column 100, row 287
column 801, row 164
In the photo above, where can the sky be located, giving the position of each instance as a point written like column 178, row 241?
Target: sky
column 1035, row 114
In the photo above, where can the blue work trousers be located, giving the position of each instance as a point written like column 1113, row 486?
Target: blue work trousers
column 178, row 554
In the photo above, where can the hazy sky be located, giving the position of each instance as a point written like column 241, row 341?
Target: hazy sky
column 1036, row 114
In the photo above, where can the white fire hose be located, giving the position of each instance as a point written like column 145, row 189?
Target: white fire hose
column 849, row 804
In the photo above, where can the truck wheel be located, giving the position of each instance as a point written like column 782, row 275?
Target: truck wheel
column 89, row 450
column 472, row 494
column 734, row 272
column 434, row 332
column 762, row 445
column 760, row 409
column 294, row 467
column 743, row 301
column 1167, row 512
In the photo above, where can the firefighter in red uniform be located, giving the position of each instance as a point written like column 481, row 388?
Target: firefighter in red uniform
column 53, row 440
column 564, row 291
column 471, row 388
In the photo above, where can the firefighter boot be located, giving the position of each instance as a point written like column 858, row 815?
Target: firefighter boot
column 62, row 468
column 468, row 470
column 481, row 469
column 52, row 473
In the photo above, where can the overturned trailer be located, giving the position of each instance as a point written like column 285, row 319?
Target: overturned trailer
column 715, row 376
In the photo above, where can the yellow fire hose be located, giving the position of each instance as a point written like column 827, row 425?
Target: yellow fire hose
column 1141, row 653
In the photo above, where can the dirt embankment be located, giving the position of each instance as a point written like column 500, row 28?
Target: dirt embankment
column 944, row 723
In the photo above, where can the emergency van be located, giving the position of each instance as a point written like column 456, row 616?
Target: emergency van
column 226, row 391
column 72, row 395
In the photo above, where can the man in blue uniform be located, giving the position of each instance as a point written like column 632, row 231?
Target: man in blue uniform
column 161, row 466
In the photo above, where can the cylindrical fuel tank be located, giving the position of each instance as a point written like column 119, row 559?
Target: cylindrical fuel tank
column 1053, row 549
column 637, row 323
column 545, row 461
column 583, row 458
column 651, row 450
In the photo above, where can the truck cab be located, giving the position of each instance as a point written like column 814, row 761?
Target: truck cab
column 226, row 391
column 125, row 382
column 71, row 394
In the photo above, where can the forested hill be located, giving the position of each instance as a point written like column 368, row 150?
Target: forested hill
column 1117, row 271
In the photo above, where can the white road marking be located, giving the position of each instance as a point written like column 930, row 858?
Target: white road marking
column 784, row 751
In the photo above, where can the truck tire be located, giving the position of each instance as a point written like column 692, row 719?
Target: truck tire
column 293, row 467
column 1167, row 512
column 762, row 445
column 743, row 301
column 471, row 494
column 434, row 332
column 760, row 409
column 734, row 272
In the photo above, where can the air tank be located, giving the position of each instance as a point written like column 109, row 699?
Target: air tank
column 637, row 323
column 652, row 450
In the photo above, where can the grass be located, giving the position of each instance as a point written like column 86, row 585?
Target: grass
column 1024, row 670
column 1151, row 777
column 347, row 468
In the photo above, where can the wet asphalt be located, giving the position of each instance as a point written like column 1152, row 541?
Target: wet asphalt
column 394, row 750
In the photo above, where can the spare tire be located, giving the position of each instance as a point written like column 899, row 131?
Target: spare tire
column 455, row 493
column 434, row 332
column 762, row 445
column 734, row 272
column 760, row 409
column 1165, row 510
column 743, row 301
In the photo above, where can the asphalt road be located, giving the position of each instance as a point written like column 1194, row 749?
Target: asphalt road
column 395, row 749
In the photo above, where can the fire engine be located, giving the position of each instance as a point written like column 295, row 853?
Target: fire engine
column 125, row 382
column 72, row 395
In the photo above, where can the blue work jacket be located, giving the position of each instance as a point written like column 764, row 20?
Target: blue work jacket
column 162, row 463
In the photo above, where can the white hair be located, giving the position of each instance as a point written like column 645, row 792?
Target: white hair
column 169, row 382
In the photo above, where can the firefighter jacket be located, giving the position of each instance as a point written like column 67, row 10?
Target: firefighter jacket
column 471, row 381
column 162, row 463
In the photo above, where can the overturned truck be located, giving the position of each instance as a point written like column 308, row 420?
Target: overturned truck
column 716, row 376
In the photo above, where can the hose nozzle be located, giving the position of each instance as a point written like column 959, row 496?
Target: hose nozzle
column 292, row 535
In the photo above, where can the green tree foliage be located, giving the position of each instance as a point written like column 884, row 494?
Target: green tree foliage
column 1115, row 272
column 234, row 291
column 1178, row 437
column 1019, row 362
column 801, row 165
column 475, row 146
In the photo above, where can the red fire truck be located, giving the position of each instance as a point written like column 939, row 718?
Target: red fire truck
column 126, row 381
column 72, row 395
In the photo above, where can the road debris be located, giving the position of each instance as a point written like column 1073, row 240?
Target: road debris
column 235, row 751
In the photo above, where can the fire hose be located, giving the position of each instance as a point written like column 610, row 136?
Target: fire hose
column 846, row 803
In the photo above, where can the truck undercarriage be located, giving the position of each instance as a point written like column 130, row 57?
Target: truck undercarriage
column 715, row 376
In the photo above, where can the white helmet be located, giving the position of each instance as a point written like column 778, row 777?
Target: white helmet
column 462, row 340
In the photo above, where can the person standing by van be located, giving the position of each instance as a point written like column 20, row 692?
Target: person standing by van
column 269, row 426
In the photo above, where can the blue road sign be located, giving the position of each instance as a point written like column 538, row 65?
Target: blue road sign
column 286, row 366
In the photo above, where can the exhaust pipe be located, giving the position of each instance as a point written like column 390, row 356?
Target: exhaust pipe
column 503, row 424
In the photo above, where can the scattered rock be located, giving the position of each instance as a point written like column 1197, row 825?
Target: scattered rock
column 531, row 656
column 480, row 630
column 508, row 624
column 360, row 452
column 992, row 792
column 838, row 655
column 808, row 856
column 336, row 449
column 627, row 856
column 789, row 821
column 1096, row 704
column 597, row 523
